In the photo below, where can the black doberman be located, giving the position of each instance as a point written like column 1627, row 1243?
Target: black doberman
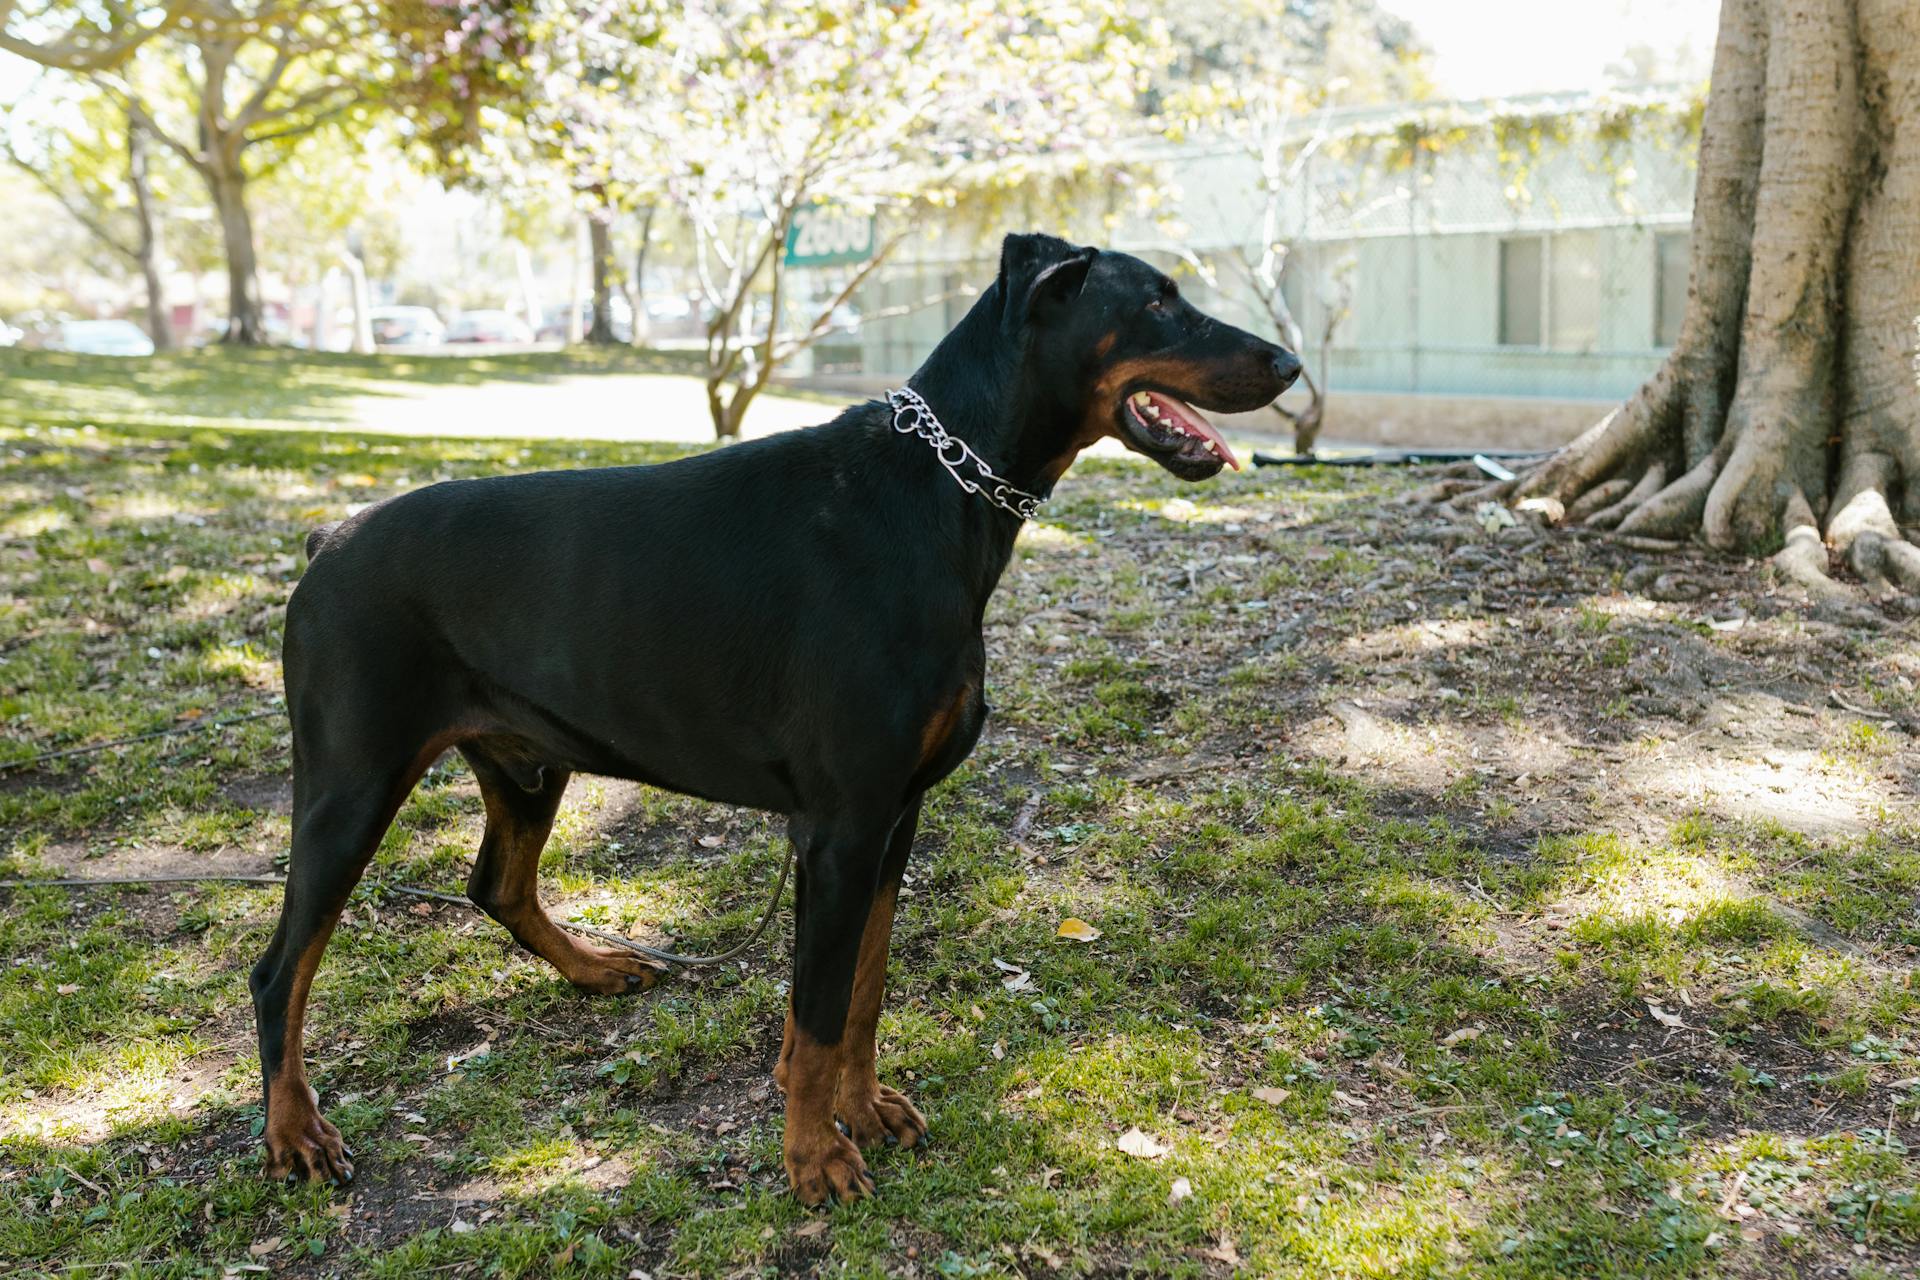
column 792, row 624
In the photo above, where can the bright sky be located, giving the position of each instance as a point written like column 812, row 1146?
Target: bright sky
column 1496, row 48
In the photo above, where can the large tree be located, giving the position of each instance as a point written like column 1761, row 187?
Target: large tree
column 90, row 156
column 1787, row 417
column 231, row 86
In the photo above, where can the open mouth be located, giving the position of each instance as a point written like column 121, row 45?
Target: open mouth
column 1174, row 434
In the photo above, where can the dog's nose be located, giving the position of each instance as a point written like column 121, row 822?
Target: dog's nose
column 1286, row 367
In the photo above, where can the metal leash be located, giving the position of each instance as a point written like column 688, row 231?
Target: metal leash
column 195, row 726
column 654, row 953
column 651, row 952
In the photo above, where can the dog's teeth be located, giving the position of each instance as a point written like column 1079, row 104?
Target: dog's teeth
column 1212, row 447
column 1153, row 413
column 1142, row 398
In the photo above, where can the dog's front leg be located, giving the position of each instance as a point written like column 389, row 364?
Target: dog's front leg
column 870, row 1110
column 839, row 870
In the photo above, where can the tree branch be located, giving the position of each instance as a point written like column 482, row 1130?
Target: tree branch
column 319, row 120
column 76, row 210
column 823, row 323
column 250, row 112
column 143, row 119
column 75, row 52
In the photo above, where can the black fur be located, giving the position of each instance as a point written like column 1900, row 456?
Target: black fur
column 782, row 624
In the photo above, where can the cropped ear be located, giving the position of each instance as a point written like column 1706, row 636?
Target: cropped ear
column 1038, row 270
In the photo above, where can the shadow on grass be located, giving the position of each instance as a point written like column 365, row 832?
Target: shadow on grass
column 1378, row 1005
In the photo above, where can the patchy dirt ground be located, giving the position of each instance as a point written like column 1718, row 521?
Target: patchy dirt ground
column 1468, row 903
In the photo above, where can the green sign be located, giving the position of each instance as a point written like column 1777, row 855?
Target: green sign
column 825, row 236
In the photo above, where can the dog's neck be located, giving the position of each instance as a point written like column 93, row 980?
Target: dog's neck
column 979, row 386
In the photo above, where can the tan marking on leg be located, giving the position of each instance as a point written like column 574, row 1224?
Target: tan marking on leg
column 942, row 724
column 513, row 844
column 821, row 1162
column 869, row 1109
column 299, row 1141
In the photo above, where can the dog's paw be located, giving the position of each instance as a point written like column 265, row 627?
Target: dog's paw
column 881, row 1114
column 612, row 971
column 305, row 1147
column 828, row 1170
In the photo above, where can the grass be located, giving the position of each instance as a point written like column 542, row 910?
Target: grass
column 1387, row 1010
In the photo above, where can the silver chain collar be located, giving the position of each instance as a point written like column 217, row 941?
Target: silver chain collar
column 913, row 416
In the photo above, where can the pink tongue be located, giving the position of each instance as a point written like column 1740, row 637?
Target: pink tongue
column 1194, row 423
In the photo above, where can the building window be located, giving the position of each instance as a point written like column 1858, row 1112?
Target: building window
column 1670, row 286
column 1550, row 294
column 1573, row 291
column 1521, row 286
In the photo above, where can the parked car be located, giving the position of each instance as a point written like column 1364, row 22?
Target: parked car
column 553, row 326
column 100, row 338
column 407, row 327
column 488, row 326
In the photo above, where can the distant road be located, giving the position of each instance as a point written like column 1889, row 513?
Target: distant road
column 598, row 406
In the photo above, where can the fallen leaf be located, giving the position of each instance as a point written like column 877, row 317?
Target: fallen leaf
column 96, row 565
column 1074, row 929
column 261, row 1248
column 1460, row 1036
column 1017, row 979
column 1272, row 1096
column 1143, row 1146
column 712, row 842
column 1663, row 1017
column 1180, row 1190
column 67, row 988
column 460, row 1227
column 809, row 1230
column 1224, row 1252
column 176, row 573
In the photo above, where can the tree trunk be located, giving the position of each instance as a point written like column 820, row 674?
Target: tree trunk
column 728, row 411
column 362, row 304
column 1785, row 418
column 147, row 249
column 227, row 183
column 637, row 301
column 575, row 330
column 600, row 246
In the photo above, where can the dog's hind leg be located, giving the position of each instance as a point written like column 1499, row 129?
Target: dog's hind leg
column 506, row 876
column 870, row 1110
column 343, row 803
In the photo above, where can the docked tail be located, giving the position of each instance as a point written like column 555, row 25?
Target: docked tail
column 317, row 540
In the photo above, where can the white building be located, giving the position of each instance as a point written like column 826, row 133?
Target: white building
column 1480, row 297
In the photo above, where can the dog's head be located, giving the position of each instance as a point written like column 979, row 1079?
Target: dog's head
column 1122, row 354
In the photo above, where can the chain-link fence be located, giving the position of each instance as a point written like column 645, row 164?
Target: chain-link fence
column 1459, row 276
